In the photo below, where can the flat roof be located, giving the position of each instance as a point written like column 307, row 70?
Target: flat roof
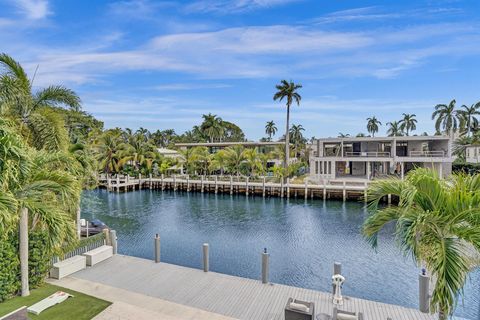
column 366, row 139
column 229, row 144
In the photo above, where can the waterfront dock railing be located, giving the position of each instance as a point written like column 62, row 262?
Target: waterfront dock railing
column 264, row 186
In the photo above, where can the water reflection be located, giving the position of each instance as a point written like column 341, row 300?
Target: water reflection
column 304, row 238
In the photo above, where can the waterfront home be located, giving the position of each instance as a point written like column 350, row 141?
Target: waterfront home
column 367, row 158
column 472, row 153
column 262, row 146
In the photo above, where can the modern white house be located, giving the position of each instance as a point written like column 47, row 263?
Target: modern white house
column 472, row 153
column 367, row 158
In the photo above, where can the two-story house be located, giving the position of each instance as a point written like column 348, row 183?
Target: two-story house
column 366, row 158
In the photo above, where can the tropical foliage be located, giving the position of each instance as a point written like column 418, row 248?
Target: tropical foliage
column 408, row 123
column 288, row 91
column 270, row 129
column 372, row 125
column 436, row 223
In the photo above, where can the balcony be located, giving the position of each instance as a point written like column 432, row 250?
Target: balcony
column 431, row 154
column 368, row 154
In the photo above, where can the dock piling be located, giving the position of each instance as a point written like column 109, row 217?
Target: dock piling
column 113, row 239
column 206, row 258
column 424, row 296
column 337, row 269
column 265, row 265
column 156, row 242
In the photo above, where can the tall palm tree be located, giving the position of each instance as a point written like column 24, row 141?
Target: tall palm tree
column 408, row 123
column 372, row 125
column 270, row 129
column 343, row 135
column 467, row 117
column 297, row 136
column 212, row 126
column 288, row 91
column 202, row 159
column 36, row 193
column 107, row 149
column 436, row 224
column 42, row 128
column 447, row 118
column 219, row 161
column 188, row 159
column 394, row 129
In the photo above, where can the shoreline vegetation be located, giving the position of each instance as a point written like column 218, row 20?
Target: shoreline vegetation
column 51, row 150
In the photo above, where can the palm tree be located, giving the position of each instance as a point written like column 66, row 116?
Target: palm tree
column 394, row 129
column 287, row 90
column 41, row 126
column 107, row 150
column 188, row 159
column 408, row 123
column 234, row 157
column 270, row 129
column 446, row 117
column 212, row 126
column 372, row 125
column 201, row 159
column 436, row 224
column 219, row 161
column 467, row 117
column 343, row 135
column 253, row 160
column 360, row 135
column 28, row 178
column 297, row 136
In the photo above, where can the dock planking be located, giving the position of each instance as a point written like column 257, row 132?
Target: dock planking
column 231, row 296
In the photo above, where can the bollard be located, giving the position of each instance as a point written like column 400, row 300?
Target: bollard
column 424, row 296
column 206, row 262
column 107, row 236
column 156, row 241
column 337, row 269
column 113, row 239
column 265, row 265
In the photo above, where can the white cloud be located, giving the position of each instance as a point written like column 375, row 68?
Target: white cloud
column 233, row 6
column 33, row 9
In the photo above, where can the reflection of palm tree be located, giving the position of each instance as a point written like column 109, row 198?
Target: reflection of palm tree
column 436, row 224
column 287, row 90
column 270, row 129
column 372, row 125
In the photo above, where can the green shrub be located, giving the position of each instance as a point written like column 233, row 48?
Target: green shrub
column 470, row 168
column 9, row 267
column 38, row 263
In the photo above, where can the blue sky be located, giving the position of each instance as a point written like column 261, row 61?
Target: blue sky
column 162, row 64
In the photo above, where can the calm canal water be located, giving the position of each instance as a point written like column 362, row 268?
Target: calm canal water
column 304, row 238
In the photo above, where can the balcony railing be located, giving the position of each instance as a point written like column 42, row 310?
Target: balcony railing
column 368, row 154
column 437, row 153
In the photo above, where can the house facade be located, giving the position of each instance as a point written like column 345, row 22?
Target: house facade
column 367, row 158
column 472, row 153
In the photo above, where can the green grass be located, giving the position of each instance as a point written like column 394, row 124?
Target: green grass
column 78, row 307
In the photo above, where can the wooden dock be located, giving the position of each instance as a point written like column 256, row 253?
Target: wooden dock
column 226, row 295
column 241, row 185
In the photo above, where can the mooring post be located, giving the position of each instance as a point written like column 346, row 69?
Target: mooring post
column 188, row 183
column 337, row 269
column 174, row 182
column 86, row 228
column 118, row 183
column 265, row 265
column 246, row 187
column 288, row 187
column 216, row 184
column 113, row 239
column 344, row 191
column 281, row 188
column 306, row 189
column 365, row 192
column 150, row 181
column 163, row 182
column 201, row 187
column 139, row 182
column 424, row 296
column 206, row 258
column 231, row 184
column 324, row 190
column 156, row 242
column 263, row 187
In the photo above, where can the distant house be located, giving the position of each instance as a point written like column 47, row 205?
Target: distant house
column 472, row 153
column 366, row 158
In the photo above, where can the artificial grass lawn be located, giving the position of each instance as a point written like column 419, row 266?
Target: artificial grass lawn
column 78, row 307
